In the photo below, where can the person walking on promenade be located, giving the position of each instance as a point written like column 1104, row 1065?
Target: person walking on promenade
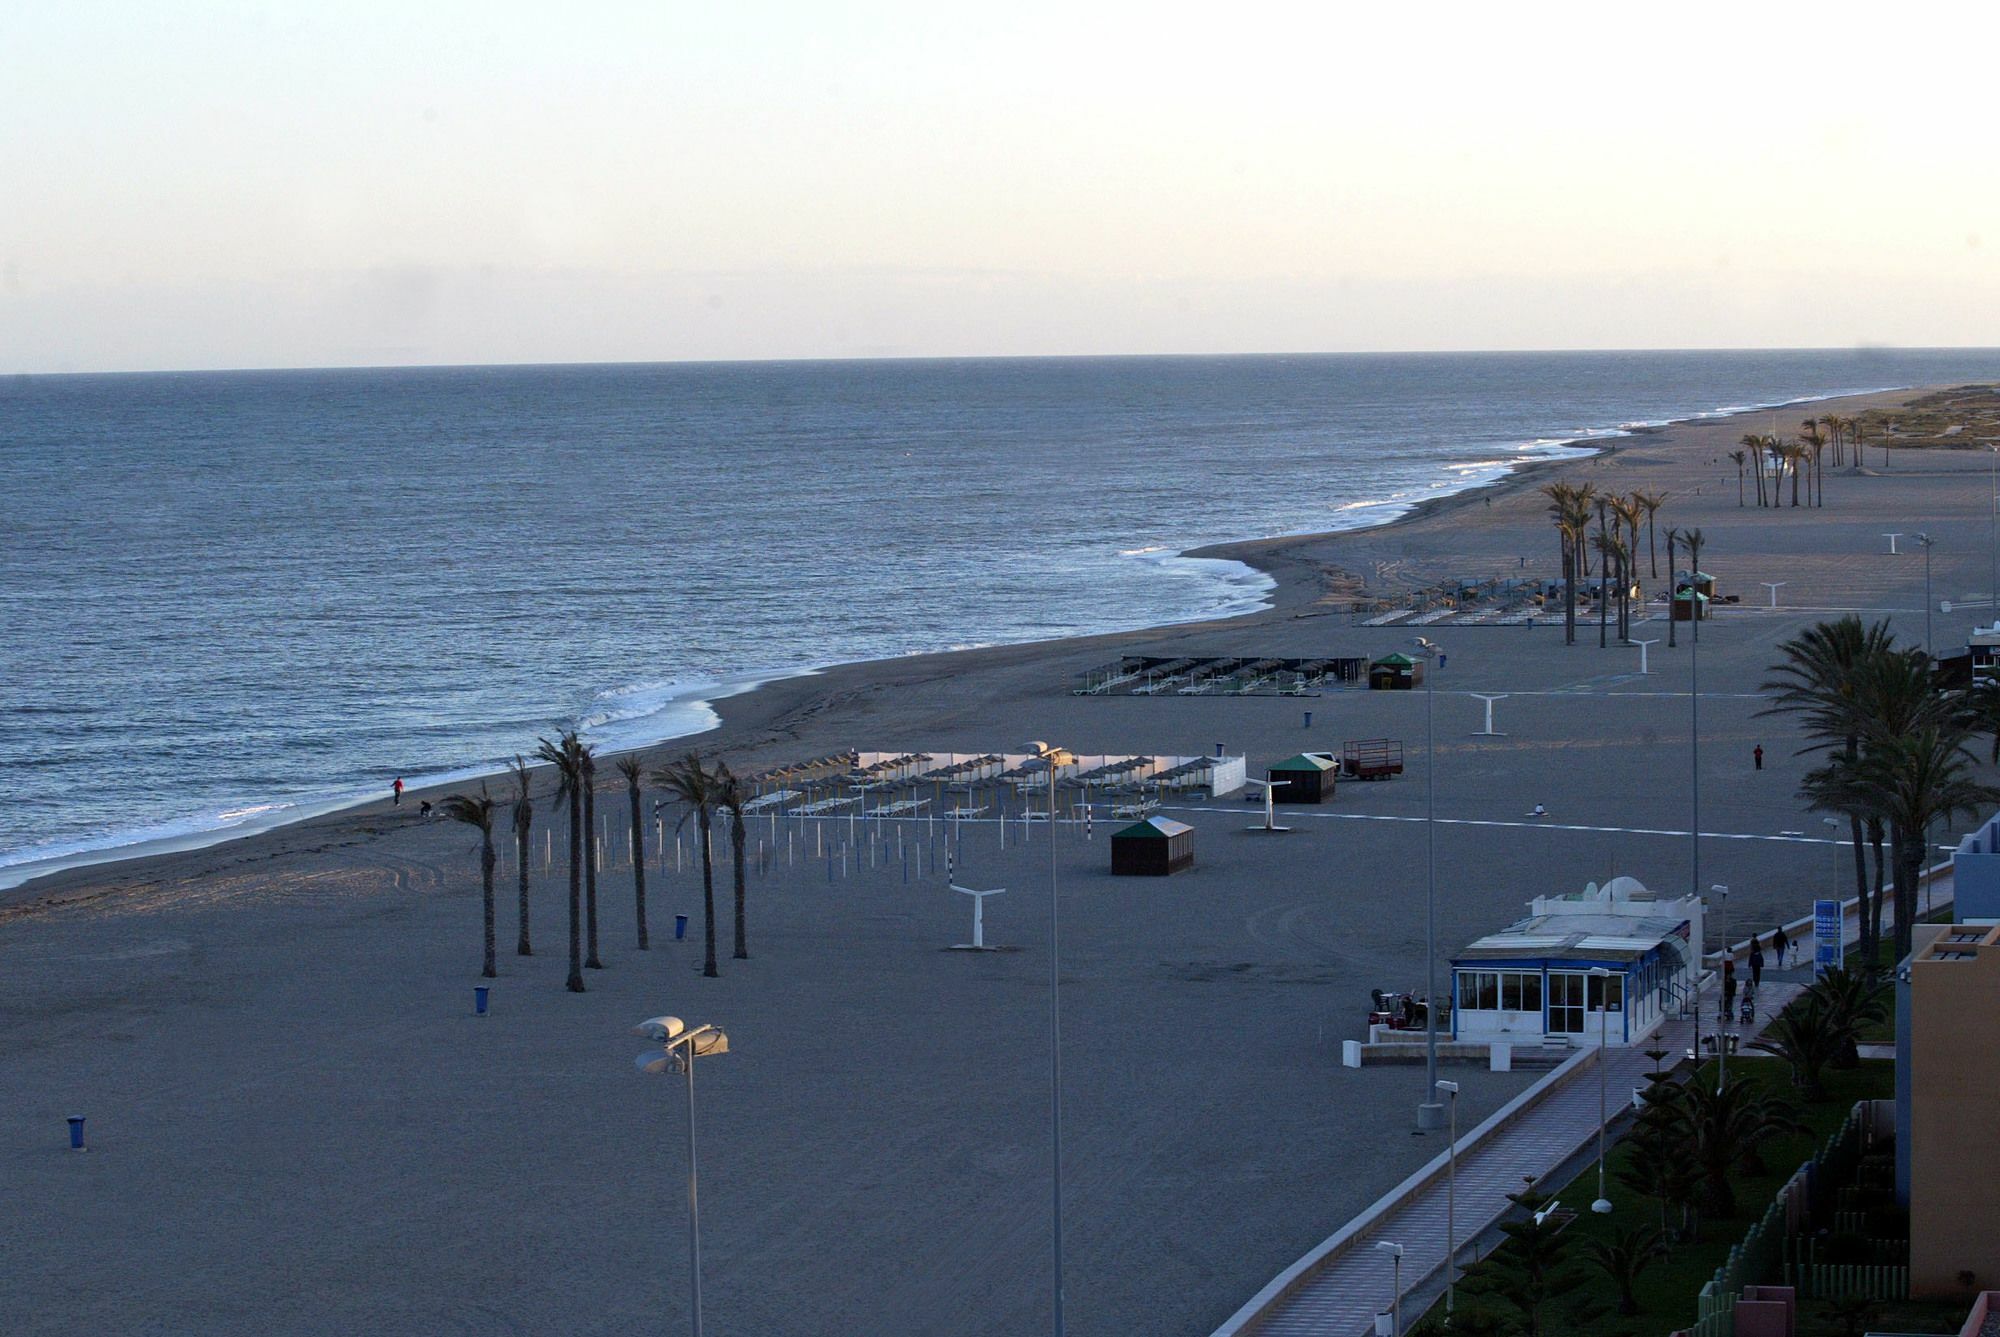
column 1756, row 963
column 396, row 792
column 1781, row 947
column 1757, row 755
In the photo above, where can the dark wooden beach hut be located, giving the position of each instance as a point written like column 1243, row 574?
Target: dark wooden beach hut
column 1395, row 673
column 1152, row 848
column 1690, row 606
column 1306, row 778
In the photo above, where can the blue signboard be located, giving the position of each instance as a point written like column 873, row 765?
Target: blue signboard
column 1827, row 936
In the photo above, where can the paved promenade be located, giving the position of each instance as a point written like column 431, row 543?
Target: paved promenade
column 1341, row 1297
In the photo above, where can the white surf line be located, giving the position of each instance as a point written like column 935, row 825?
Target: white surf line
column 1542, row 826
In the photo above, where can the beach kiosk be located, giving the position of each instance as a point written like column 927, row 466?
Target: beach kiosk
column 1395, row 673
column 1152, row 848
column 1536, row 981
column 1700, row 582
column 1690, row 605
column 1306, row 778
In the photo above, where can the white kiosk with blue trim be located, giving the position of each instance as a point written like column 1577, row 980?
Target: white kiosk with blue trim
column 1533, row 981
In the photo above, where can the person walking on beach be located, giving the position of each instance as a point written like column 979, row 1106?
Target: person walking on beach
column 396, row 792
column 1756, row 963
column 1757, row 755
column 1781, row 946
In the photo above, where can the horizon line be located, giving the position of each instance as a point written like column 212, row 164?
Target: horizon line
column 281, row 369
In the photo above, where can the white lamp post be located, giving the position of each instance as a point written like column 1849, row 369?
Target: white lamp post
column 1430, row 1113
column 1774, row 586
column 680, row 1047
column 1603, row 1204
column 1395, row 1251
column 1450, row 1089
column 1644, row 667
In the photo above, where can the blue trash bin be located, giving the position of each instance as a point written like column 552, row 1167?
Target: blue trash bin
column 680, row 927
column 76, row 1132
column 479, row 993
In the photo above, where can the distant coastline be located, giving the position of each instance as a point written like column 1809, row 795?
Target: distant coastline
column 1282, row 583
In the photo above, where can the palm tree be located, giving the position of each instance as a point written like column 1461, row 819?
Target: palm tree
column 698, row 789
column 1754, row 444
column 1913, row 780
column 1726, row 1126
column 566, row 755
column 1853, row 996
column 478, row 812
column 524, row 823
column 731, row 798
column 1832, row 679
column 1793, row 454
column 1630, row 510
column 629, row 767
column 1623, row 1258
column 590, row 861
column 1739, row 457
column 1806, row 1036
column 1566, row 500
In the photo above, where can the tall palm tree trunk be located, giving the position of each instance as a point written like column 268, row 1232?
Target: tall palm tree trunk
column 638, row 862
column 486, row 862
column 575, row 982
column 707, row 893
column 522, row 845
column 590, row 864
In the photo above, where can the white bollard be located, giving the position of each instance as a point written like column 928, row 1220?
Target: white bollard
column 1350, row 1053
column 1502, row 1058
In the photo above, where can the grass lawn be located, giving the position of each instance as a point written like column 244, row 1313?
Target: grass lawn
column 1667, row 1291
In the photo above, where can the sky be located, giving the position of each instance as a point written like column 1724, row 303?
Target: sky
column 205, row 184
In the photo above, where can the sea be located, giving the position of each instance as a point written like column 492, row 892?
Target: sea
column 230, row 600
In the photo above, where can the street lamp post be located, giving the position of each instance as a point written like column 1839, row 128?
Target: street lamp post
column 1722, row 1021
column 679, row 1048
column 1927, row 541
column 1395, row 1251
column 1603, row 1204
column 1834, row 824
column 1430, row 1114
column 1993, row 525
column 1450, row 1090
column 1055, row 1061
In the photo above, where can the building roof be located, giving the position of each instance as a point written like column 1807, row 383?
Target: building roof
column 1607, row 937
column 1397, row 659
column 1305, row 761
column 1153, row 828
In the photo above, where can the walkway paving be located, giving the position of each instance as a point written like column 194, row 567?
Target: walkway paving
column 1342, row 1299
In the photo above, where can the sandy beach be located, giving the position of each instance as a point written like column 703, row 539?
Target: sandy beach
column 297, row 1125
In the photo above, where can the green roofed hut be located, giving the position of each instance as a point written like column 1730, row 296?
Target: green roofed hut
column 1395, row 673
column 1155, row 847
column 1690, row 606
column 1306, row 778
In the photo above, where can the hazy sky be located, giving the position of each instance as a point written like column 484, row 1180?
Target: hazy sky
column 198, row 184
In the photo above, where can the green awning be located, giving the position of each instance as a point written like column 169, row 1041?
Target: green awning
column 1302, row 762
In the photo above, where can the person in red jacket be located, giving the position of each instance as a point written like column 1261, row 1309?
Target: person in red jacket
column 397, row 790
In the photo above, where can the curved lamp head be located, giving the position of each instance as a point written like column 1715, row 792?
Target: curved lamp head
column 662, row 1029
